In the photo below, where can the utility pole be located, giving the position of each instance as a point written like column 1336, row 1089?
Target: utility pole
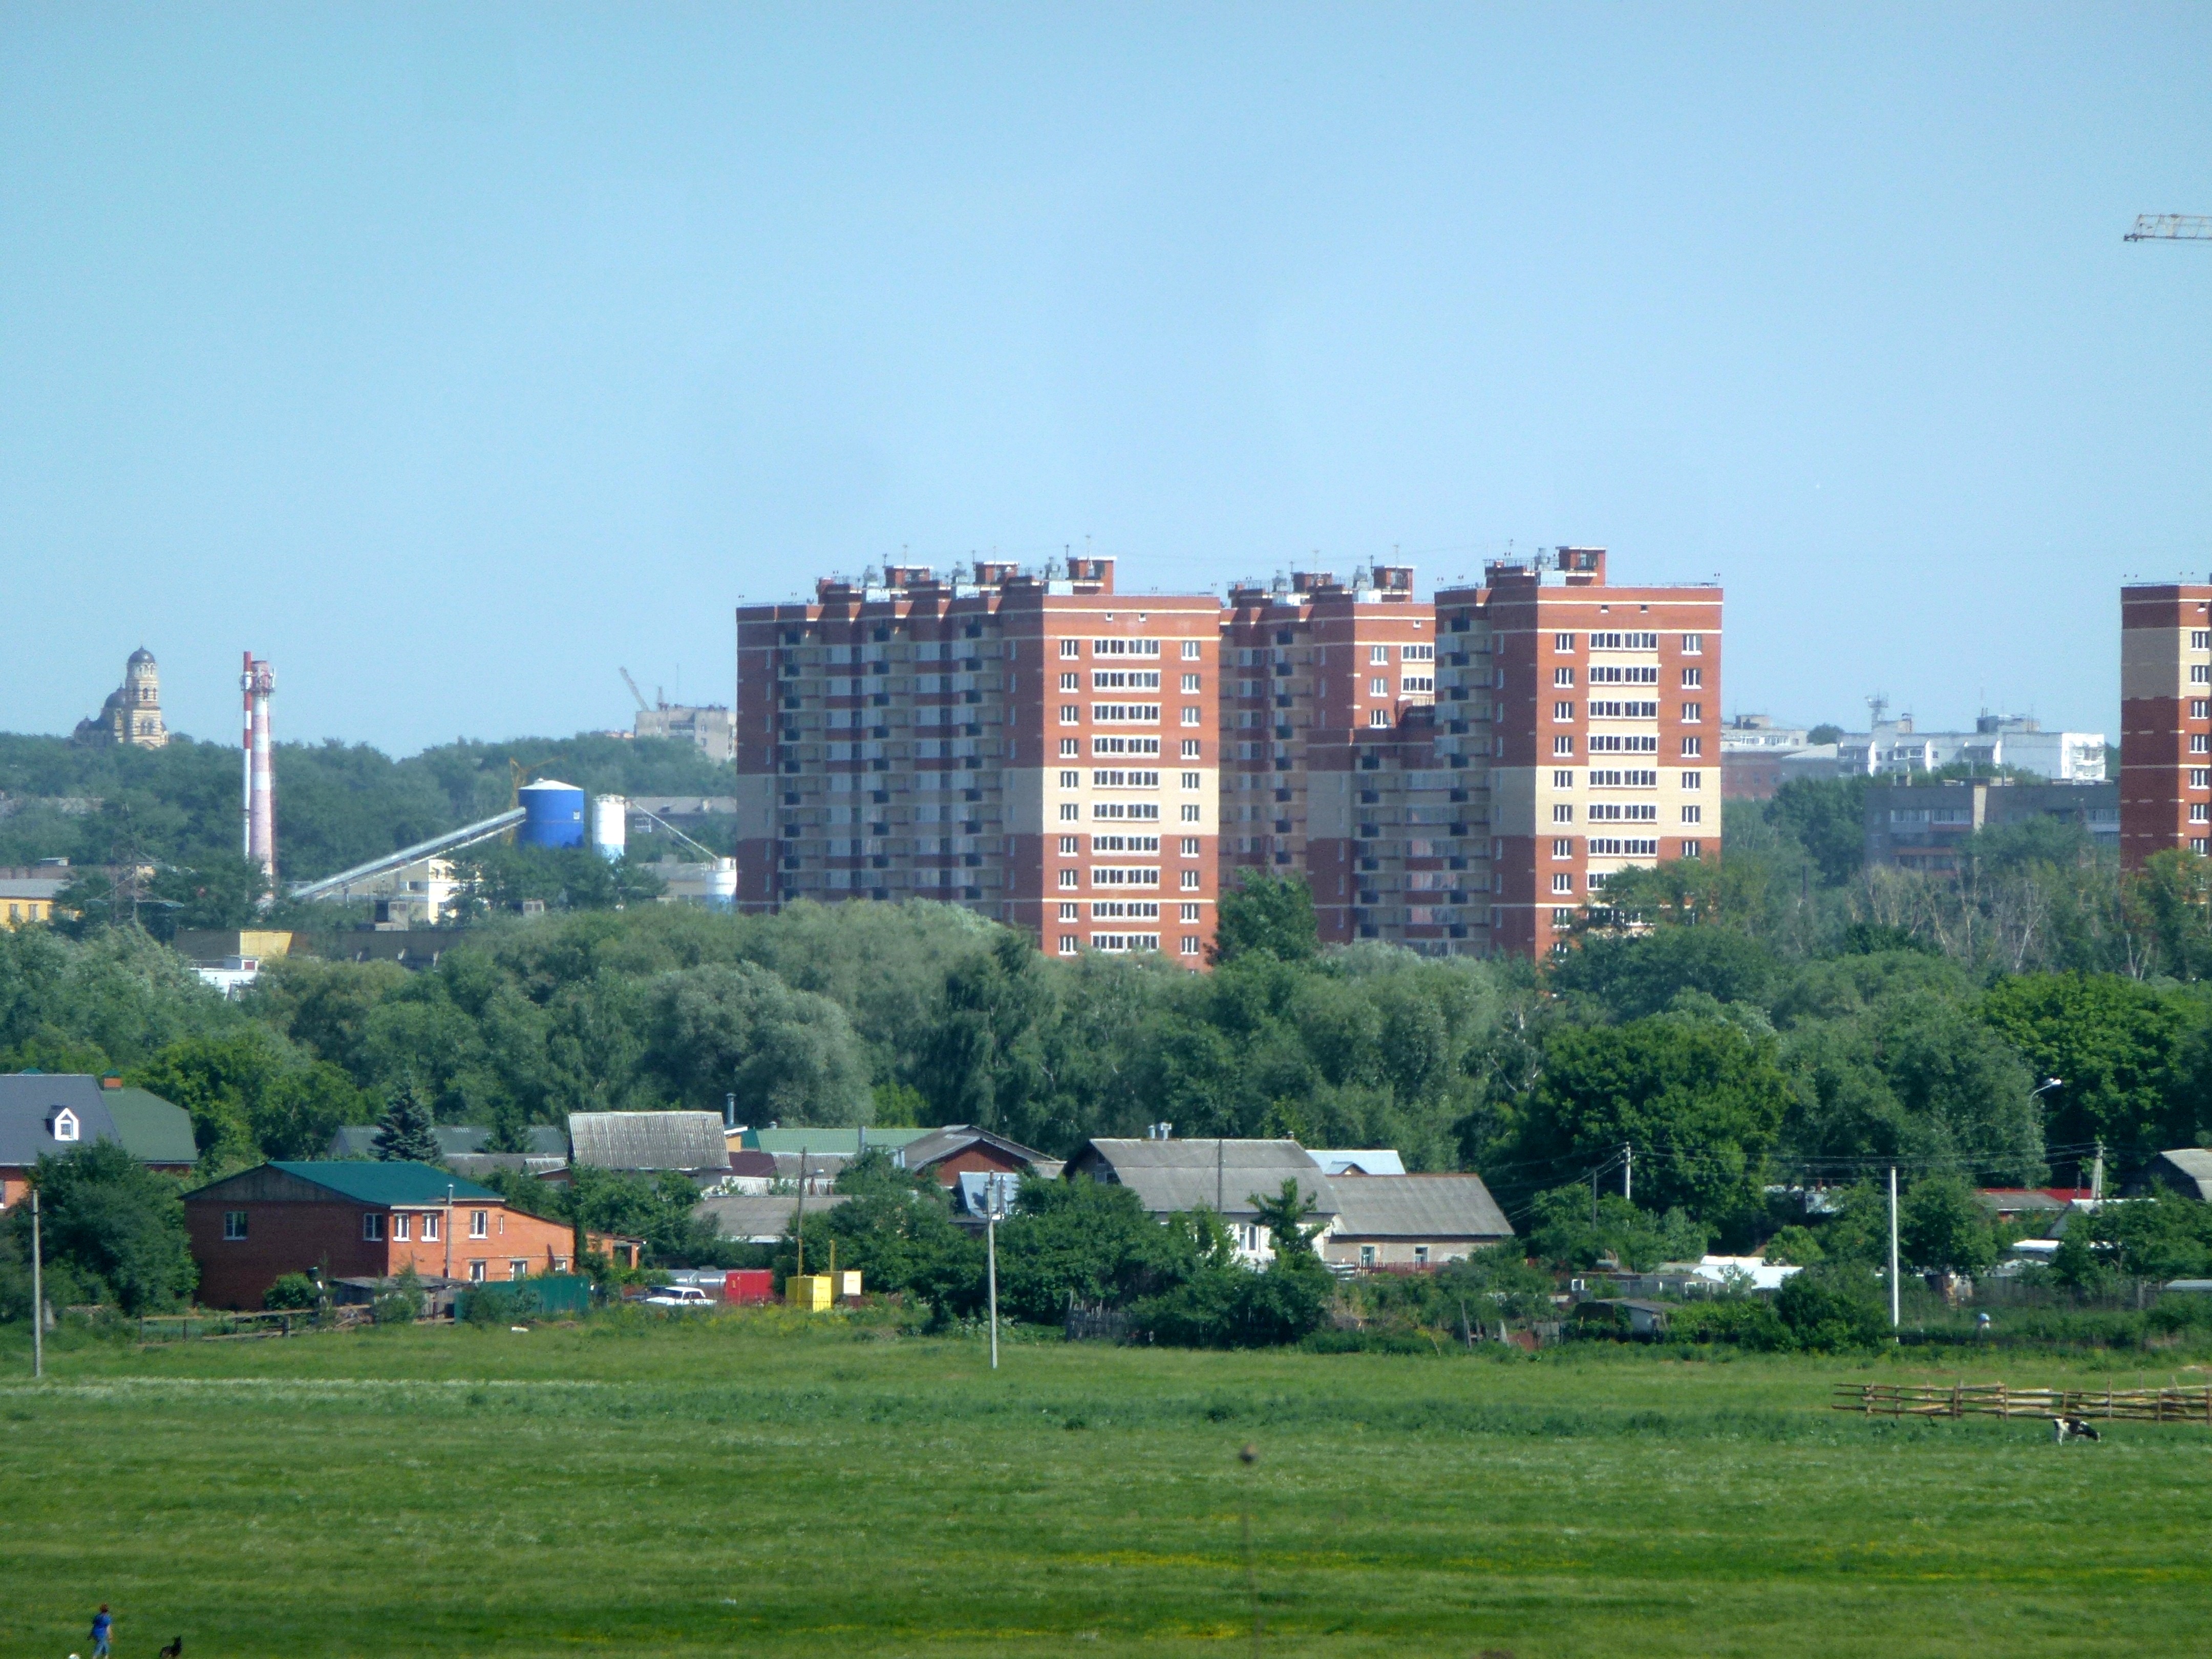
column 1894, row 1320
column 449, row 1231
column 1219, row 1145
column 2097, row 1176
column 38, row 1297
column 1628, row 1173
column 801, row 1229
column 993, row 1194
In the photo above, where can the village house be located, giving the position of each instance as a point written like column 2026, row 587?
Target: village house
column 650, row 1143
column 1410, row 1222
column 360, row 1221
column 44, row 1115
column 1173, row 1177
column 945, row 1154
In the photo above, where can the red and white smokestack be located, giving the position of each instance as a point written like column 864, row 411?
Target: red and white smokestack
column 257, row 683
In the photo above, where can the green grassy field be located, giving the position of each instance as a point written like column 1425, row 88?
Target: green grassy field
column 741, row 1485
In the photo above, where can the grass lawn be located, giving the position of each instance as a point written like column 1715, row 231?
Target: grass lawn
column 746, row 1486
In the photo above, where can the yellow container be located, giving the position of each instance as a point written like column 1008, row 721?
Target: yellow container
column 810, row 1292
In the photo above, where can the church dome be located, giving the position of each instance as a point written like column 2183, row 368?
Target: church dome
column 141, row 655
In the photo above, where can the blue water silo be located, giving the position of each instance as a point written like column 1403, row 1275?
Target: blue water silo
column 552, row 814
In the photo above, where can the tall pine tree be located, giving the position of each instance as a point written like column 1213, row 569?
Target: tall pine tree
column 405, row 1136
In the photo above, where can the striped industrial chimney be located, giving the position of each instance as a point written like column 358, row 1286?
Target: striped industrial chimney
column 257, row 683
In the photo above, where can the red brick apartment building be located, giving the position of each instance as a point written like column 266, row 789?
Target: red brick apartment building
column 1456, row 776
column 2166, row 719
column 1037, row 748
column 359, row 1220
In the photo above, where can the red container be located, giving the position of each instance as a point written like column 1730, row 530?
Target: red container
column 748, row 1286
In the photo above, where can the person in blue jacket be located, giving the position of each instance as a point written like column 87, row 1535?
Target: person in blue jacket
column 103, row 1627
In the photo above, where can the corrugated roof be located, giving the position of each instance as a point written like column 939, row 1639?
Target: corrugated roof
column 934, row 1144
column 838, row 1142
column 381, row 1183
column 1173, row 1176
column 1417, row 1207
column 2187, row 1168
column 33, row 887
column 762, row 1217
column 648, row 1141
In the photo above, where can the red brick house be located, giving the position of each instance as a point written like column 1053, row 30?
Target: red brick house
column 944, row 1155
column 360, row 1221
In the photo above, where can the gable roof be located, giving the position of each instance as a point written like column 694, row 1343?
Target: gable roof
column 2187, row 1169
column 648, row 1141
column 375, row 1184
column 1373, row 1160
column 934, row 1145
column 28, row 1100
column 844, row 1143
column 762, row 1217
column 1417, row 1207
column 152, row 1130
column 1174, row 1176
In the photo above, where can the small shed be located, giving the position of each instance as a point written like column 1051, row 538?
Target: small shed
column 2185, row 1169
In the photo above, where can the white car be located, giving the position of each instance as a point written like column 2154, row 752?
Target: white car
column 678, row 1296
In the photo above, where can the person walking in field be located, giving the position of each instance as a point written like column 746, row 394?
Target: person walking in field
column 103, row 1627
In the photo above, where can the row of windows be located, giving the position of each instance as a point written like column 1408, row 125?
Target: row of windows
column 1190, row 881
column 1693, row 645
column 1070, row 748
column 1127, row 909
column 1600, row 812
column 1071, row 944
column 374, row 1224
column 1565, row 745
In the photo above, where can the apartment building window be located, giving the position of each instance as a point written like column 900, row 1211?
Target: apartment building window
column 1190, row 847
column 2200, row 708
column 372, row 1228
column 1693, row 712
column 1563, row 780
column 1191, row 879
column 1070, row 810
column 1378, row 717
column 1692, row 678
column 1562, row 812
column 2200, row 639
column 479, row 1224
column 1071, row 879
column 1190, row 683
column 2200, row 674
column 1693, row 645
column 1190, row 752
column 1693, row 780
column 1563, row 881
column 1693, row 746
column 1070, row 682
column 1693, row 815
column 1693, row 849
column 1071, row 714
column 234, row 1225
column 1378, row 688
column 1563, row 745
column 1190, row 781
column 1190, row 913
column 1070, row 845
column 1562, row 677
column 2200, row 745
column 1191, row 716
column 1378, row 653
column 1071, row 647
column 1563, row 846
column 1562, row 641
column 1563, row 711
column 1192, row 649
column 2199, row 812
column 1068, row 912
column 2200, row 777
column 1562, row 919
column 1190, row 812
column 1070, row 748
column 1071, row 780
column 1189, row 946
column 1068, row 944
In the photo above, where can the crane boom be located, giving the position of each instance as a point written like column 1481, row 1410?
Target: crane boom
column 642, row 707
column 2171, row 227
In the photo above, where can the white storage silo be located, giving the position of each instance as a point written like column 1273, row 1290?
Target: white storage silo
column 609, row 826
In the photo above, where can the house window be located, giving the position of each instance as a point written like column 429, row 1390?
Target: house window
column 479, row 1224
column 1366, row 1256
column 518, row 1269
column 429, row 1225
column 1190, row 847
column 1190, row 781
column 1069, row 845
column 1071, row 714
column 1070, row 810
column 477, row 1274
column 1378, row 717
column 1190, row 913
column 1190, row 813
column 1190, row 683
column 1693, row 780
column 399, row 1225
column 2199, row 812
column 1420, row 1255
column 2199, row 674
column 372, row 1227
column 234, row 1225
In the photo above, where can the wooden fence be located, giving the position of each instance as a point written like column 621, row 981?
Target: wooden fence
column 2001, row 1400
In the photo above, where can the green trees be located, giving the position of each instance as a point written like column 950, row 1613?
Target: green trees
column 1266, row 913
column 403, row 1136
column 112, row 1230
column 2114, row 1046
column 1941, row 1227
column 786, row 1054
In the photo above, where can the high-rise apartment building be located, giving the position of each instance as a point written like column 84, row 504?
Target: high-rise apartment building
column 1460, row 776
column 1037, row 748
column 2166, row 719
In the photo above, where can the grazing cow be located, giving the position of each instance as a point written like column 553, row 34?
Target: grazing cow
column 2063, row 1429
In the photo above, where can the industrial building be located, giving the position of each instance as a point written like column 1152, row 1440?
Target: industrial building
column 2166, row 719
column 1456, row 776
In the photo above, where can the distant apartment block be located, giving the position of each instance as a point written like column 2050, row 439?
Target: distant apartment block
column 709, row 727
column 1037, row 748
column 1920, row 826
column 1459, row 776
column 2166, row 719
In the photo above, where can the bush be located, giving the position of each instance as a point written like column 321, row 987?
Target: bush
column 1230, row 1307
column 293, row 1292
column 115, row 1225
column 401, row 1302
column 1833, row 1309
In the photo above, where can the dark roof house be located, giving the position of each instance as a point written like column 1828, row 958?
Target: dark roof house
column 45, row 1115
column 1173, row 1177
column 692, row 1142
column 2185, row 1169
column 946, row 1153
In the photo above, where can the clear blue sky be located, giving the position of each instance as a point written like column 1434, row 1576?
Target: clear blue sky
column 454, row 355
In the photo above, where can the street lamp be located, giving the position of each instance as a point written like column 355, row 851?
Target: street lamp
column 2047, row 1086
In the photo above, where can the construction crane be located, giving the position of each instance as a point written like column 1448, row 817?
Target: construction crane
column 2171, row 227
column 643, row 707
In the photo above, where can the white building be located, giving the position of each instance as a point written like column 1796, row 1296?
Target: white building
column 1893, row 749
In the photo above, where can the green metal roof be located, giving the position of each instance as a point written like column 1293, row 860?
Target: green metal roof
column 386, row 1183
column 151, row 1129
column 835, row 1143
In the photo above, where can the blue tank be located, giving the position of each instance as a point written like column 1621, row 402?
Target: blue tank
column 553, row 815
